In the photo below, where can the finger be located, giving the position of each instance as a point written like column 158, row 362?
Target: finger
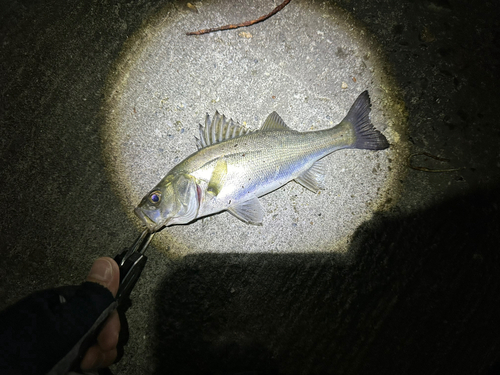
column 105, row 271
column 108, row 337
column 95, row 358
column 104, row 352
column 109, row 358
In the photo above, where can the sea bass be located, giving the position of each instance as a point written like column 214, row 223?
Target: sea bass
column 235, row 166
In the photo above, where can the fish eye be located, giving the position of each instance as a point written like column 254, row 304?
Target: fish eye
column 155, row 197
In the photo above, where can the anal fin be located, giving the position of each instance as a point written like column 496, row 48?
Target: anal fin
column 313, row 179
column 249, row 211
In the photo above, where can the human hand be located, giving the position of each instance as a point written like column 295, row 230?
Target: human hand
column 104, row 271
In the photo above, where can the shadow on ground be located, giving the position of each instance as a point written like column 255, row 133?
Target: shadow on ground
column 420, row 295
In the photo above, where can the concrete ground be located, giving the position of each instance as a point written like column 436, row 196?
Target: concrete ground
column 165, row 82
column 390, row 269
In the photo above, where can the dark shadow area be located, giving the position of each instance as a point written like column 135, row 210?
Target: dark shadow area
column 420, row 297
column 444, row 55
column 59, row 211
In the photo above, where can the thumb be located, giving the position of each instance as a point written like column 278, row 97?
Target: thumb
column 105, row 271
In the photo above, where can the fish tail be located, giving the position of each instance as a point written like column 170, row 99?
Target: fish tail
column 367, row 137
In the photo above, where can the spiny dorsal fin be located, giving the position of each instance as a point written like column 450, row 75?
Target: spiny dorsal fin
column 274, row 122
column 218, row 129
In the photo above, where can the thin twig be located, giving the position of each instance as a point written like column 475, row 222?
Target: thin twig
column 424, row 169
column 243, row 24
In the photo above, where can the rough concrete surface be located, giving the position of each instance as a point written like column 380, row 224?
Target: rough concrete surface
column 166, row 81
column 389, row 270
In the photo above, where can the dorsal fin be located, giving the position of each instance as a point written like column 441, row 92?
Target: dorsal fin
column 218, row 129
column 274, row 122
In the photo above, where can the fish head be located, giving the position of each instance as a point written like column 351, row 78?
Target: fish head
column 175, row 200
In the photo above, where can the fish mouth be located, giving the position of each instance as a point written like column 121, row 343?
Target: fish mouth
column 150, row 224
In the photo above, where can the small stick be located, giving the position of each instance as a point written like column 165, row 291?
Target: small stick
column 424, row 169
column 243, row 24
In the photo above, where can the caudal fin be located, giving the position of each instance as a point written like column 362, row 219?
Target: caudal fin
column 367, row 137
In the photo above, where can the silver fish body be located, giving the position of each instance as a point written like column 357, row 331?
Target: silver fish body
column 233, row 166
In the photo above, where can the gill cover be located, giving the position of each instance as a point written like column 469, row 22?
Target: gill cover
column 173, row 201
column 186, row 199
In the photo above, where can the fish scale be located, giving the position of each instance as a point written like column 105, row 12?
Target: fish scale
column 234, row 166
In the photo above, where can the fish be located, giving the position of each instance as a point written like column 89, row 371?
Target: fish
column 234, row 166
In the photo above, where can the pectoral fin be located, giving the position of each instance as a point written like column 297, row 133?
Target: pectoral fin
column 313, row 179
column 249, row 211
column 218, row 177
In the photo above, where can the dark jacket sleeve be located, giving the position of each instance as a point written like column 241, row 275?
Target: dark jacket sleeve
column 36, row 332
